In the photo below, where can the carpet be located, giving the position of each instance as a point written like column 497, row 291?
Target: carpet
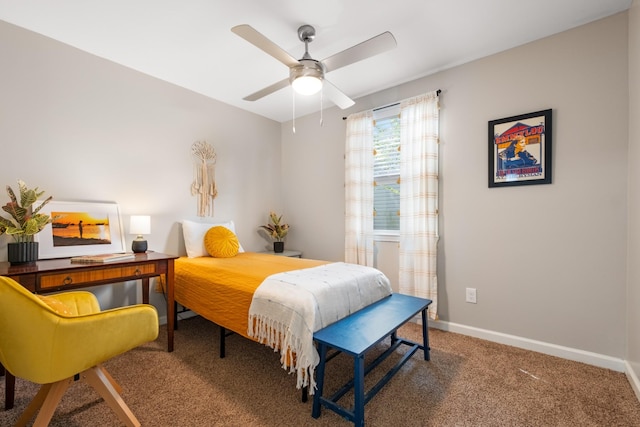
column 468, row 382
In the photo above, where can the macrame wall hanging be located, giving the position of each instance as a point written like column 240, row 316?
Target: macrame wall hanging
column 204, row 181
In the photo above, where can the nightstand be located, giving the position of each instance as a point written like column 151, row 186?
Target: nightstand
column 290, row 253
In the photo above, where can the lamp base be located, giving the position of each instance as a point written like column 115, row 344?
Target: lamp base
column 139, row 246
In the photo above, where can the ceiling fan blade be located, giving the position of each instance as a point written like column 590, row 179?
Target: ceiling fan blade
column 267, row 90
column 366, row 49
column 248, row 33
column 336, row 95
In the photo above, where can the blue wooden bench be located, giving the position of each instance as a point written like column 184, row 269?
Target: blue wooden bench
column 355, row 335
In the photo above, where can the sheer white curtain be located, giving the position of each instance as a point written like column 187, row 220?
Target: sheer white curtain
column 419, row 133
column 358, row 245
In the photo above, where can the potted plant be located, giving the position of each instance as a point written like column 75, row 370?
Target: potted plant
column 25, row 222
column 276, row 231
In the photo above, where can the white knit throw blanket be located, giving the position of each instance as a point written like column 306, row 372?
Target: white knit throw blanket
column 287, row 308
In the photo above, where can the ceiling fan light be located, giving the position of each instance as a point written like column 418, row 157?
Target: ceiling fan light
column 306, row 78
column 307, row 85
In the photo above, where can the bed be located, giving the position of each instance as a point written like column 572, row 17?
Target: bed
column 221, row 289
column 240, row 293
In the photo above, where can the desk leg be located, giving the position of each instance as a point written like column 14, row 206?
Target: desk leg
column 145, row 290
column 9, row 389
column 171, row 307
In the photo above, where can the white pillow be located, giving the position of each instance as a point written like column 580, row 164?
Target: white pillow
column 194, row 232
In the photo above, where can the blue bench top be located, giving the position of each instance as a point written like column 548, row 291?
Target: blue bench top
column 358, row 332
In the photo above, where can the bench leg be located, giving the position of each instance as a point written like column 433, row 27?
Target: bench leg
column 425, row 336
column 322, row 350
column 358, row 391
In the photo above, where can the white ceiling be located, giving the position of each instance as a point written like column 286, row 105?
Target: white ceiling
column 189, row 42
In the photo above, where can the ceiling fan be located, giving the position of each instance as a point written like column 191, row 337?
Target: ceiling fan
column 307, row 75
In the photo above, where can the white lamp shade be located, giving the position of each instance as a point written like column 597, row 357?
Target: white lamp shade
column 307, row 85
column 140, row 224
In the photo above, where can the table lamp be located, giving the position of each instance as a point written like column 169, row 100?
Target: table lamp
column 140, row 224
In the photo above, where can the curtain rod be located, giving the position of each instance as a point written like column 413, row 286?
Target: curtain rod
column 386, row 106
column 392, row 105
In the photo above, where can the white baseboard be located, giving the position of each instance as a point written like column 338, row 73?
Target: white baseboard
column 633, row 379
column 577, row 355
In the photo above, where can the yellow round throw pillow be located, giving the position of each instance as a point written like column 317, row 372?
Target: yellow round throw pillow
column 220, row 242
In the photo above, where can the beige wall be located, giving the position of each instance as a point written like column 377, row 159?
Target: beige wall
column 83, row 128
column 633, row 281
column 548, row 261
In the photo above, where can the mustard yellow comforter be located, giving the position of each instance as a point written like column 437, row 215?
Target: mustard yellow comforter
column 221, row 289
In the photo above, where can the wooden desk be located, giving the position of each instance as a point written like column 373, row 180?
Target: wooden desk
column 56, row 275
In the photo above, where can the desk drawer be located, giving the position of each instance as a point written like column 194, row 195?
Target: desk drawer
column 69, row 279
column 138, row 270
column 76, row 278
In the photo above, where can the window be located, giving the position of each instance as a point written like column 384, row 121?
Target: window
column 386, row 173
column 372, row 155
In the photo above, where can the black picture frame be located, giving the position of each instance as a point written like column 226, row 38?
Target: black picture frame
column 520, row 149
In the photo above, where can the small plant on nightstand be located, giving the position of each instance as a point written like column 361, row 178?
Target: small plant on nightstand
column 277, row 231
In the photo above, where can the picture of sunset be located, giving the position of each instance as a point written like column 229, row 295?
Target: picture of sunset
column 80, row 228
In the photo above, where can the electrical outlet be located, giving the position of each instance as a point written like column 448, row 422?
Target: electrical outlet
column 471, row 295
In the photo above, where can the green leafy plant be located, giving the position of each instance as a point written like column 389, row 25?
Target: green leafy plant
column 276, row 230
column 26, row 221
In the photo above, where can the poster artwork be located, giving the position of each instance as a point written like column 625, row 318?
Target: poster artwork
column 519, row 150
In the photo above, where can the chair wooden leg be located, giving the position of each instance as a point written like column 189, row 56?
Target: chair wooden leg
column 48, row 397
column 46, row 401
column 100, row 382
column 51, row 402
column 34, row 405
column 111, row 380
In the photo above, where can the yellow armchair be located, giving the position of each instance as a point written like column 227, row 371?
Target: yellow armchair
column 49, row 339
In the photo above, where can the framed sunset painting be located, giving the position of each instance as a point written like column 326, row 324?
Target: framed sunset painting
column 81, row 228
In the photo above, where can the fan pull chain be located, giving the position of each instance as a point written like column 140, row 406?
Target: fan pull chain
column 321, row 99
column 293, row 97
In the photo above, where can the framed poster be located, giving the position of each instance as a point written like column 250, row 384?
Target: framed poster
column 81, row 228
column 520, row 150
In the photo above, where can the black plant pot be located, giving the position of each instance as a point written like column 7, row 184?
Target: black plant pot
column 22, row 253
column 278, row 247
